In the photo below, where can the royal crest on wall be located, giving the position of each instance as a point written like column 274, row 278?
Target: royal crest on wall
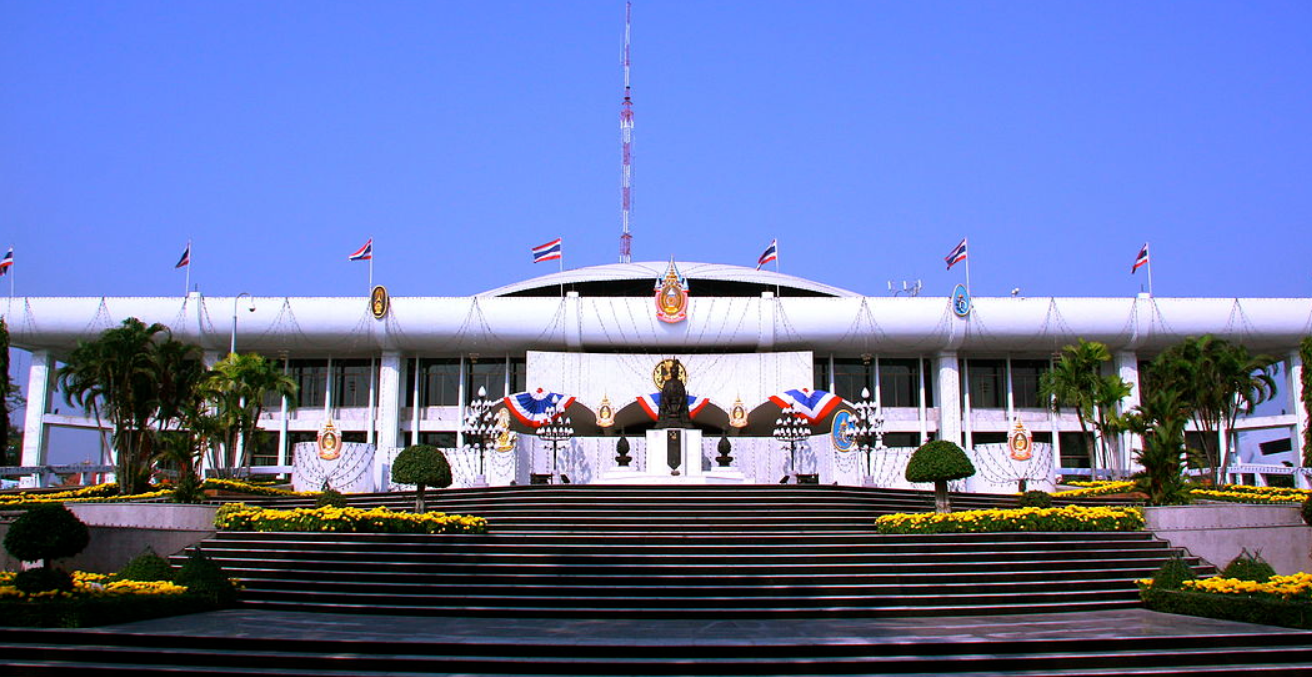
column 1020, row 442
column 605, row 413
column 738, row 414
column 379, row 302
column 329, row 442
column 669, row 368
column 961, row 301
column 672, row 296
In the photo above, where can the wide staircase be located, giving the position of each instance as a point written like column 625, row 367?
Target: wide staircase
column 758, row 580
column 675, row 552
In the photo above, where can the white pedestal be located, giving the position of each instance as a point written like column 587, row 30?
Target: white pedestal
column 658, row 470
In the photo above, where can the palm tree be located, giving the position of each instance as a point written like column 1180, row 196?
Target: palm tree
column 116, row 375
column 1160, row 419
column 236, row 388
column 1219, row 380
column 1076, row 381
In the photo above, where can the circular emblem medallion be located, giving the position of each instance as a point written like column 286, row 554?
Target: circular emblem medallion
column 379, row 302
column 961, row 301
column 658, row 374
column 842, row 433
column 330, row 445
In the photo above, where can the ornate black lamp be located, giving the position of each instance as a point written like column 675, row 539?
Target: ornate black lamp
column 869, row 430
column 792, row 429
column 556, row 430
column 479, row 428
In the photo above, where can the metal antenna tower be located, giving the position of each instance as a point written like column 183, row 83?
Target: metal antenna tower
column 626, row 147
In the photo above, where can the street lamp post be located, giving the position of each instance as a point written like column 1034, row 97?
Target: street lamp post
column 479, row 427
column 232, row 346
column 792, row 429
column 555, row 431
column 869, row 432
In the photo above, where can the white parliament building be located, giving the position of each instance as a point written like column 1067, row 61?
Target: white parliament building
column 382, row 373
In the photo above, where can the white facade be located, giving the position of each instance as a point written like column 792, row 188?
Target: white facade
column 594, row 332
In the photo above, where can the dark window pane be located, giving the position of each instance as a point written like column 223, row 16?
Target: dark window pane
column 439, row 382
column 988, row 385
column 351, row 383
column 899, row 383
column 1025, row 375
column 311, row 377
column 850, row 377
column 820, row 371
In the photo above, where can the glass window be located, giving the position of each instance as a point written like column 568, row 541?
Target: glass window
column 1075, row 450
column 1025, row 376
column 439, row 440
column 351, row 383
column 899, row 383
column 439, row 383
column 820, row 371
column 850, row 376
column 311, row 377
column 487, row 374
column 901, row 439
column 265, row 448
column 988, row 385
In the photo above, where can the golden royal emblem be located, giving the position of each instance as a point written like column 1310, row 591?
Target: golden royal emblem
column 605, row 413
column 1020, row 442
column 670, row 365
column 330, row 443
column 379, row 302
column 672, row 296
column 738, row 414
column 505, row 437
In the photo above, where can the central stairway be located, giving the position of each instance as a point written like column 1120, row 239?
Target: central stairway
column 686, row 552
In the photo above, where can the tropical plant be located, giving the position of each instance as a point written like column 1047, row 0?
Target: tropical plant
column 1076, row 382
column 236, row 388
column 1160, row 420
column 4, row 390
column 1217, row 380
column 422, row 466
column 1305, row 355
column 939, row 462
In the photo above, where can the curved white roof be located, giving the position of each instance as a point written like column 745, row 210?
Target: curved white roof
column 649, row 270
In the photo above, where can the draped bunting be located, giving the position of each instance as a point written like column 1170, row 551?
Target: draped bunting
column 810, row 404
column 652, row 405
column 532, row 408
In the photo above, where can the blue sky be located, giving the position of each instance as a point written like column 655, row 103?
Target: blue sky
column 868, row 137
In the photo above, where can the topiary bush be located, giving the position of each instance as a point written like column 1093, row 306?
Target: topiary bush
column 148, row 566
column 205, row 579
column 47, row 531
column 329, row 497
column 43, row 579
column 1307, row 511
column 1172, row 573
column 422, row 466
column 939, row 462
column 1036, row 499
column 1248, row 566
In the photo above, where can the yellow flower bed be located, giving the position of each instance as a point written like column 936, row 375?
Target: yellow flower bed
column 240, row 517
column 1238, row 493
column 1069, row 518
column 1294, row 587
column 105, row 493
column 87, row 584
column 1100, row 488
column 249, row 488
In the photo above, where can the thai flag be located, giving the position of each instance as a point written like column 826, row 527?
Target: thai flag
column 535, row 409
column 364, row 253
column 811, row 404
column 651, row 404
column 1141, row 259
column 547, row 252
column 958, row 254
column 7, row 261
column 186, row 257
column 771, row 253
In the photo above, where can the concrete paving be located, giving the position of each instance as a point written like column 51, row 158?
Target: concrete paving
column 1129, row 623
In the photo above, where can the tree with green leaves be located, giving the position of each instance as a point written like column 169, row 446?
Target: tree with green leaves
column 1076, row 382
column 237, row 387
column 4, row 388
column 1218, row 380
column 1160, row 420
column 940, row 462
column 423, row 466
column 1305, row 354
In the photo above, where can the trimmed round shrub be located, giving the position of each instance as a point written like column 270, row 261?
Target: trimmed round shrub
column 1036, row 499
column 43, row 579
column 1247, row 566
column 423, row 466
column 204, row 578
column 939, row 461
column 329, row 497
column 1172, row 573
column 148, row 566
column 47, row 531
column 1307, row 511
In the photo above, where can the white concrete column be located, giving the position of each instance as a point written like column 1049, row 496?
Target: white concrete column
column 1127, row 367
column 39, row 378
column 967, row 410
column 414, row 419
column 389, row 400
column 1294, row 388
column 921, row 365
column 284, row 411
column 328, row 390
column 949, row 398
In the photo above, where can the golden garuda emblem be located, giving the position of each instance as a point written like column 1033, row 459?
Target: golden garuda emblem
column 330, row 443
column 1020, row 442
column 379, row 302
column 672, row 296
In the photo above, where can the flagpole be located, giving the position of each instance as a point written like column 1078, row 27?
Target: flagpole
column 966, row 241
column 371, row 264
column 186, row 281
column 1150, row 269
column 777, row 292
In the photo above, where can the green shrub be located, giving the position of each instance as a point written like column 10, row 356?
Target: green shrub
column 329, row 498
column 43, row 579
column 939, row 462
column 1172, row 573
column 205, row 579
column 1068, row 518
column 188, row 489
column 225, row 511
column 84, row 612
column 1036, row 499
column 148, row 566
column 1307, row 511
column 422, row 466
column 47, row 531
column 1289, row 614
column 1247, row 566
